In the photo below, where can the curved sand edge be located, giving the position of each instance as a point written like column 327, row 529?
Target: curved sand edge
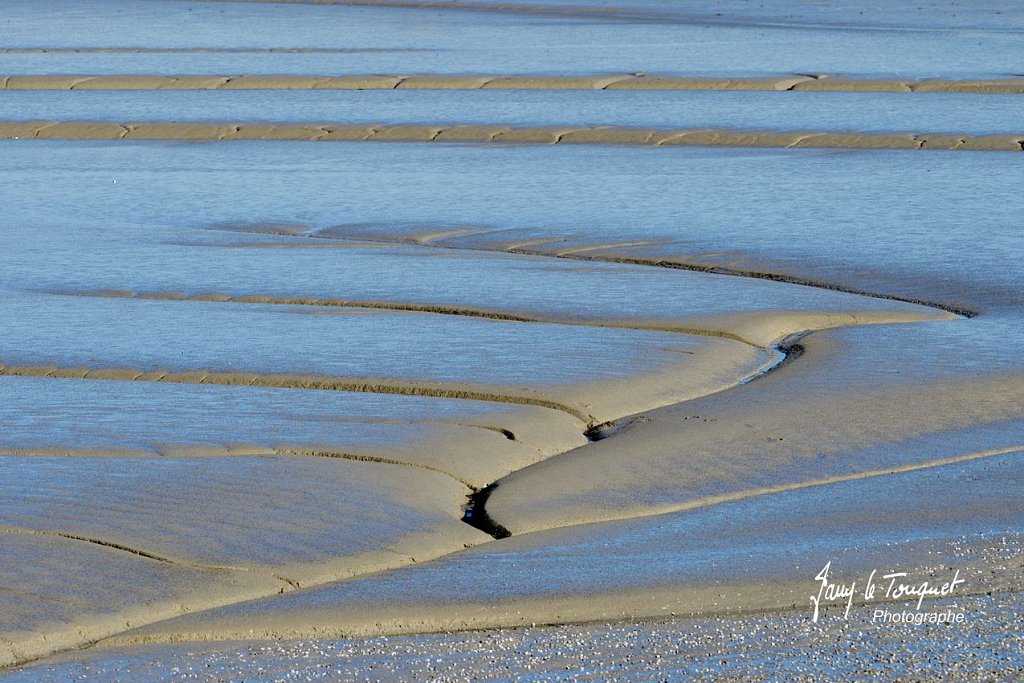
column 754, row 328
column 805, row 424
column 638, row 81
column 719, row 362
column 657, row 253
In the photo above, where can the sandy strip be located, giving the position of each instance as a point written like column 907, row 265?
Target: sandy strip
column 764, row 328
column 717, row 365
column 611, row 135
column 623, row 81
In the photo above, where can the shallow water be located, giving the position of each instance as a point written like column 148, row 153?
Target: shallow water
column 447, row 41
column 180, row 336
column 937, row 226
column 922, row 112
column 55, row 414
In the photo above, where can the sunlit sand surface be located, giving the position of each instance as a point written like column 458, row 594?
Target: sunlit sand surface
column 562, row 319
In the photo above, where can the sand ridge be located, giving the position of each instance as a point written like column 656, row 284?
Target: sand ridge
column 758, row 329
column 613, row 135
column 485, row 239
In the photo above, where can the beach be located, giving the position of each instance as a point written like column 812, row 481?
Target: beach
column 388, row 340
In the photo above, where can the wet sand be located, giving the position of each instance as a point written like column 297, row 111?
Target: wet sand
column 569, row 371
